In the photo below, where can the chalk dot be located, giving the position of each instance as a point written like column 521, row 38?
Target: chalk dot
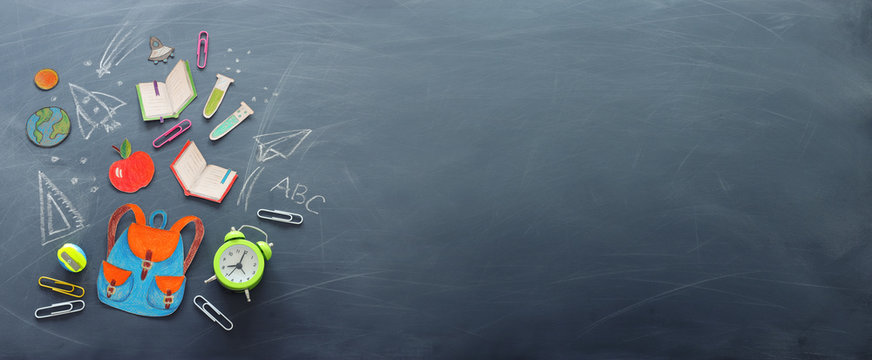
column 265, row 88
column 74, row 181
column 96, row 109
column 87, row 63
column 86, row 100
column 55, row 159
column 120, row 83
column 54, row 98
column 227, row 68
column 83, row 160
column 229, row 50
column 248, row 52
column 238, row 71
column 253, row 99
column 276, row 93
column 237, row 59
column 94, row 189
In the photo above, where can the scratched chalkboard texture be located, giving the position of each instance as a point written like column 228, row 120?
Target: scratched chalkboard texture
column 555, row 179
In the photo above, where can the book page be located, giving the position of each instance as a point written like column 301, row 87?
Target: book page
column 179, row 88
column 189, row 166
column 154, row 105
column 209, row 185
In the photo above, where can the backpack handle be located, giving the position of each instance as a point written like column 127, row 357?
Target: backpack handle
column 139, row 216
column 116, row 217
column 198, row 237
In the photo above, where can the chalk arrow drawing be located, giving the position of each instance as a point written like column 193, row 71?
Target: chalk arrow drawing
column 56, row 212
column 279, row 144
column 100, row 113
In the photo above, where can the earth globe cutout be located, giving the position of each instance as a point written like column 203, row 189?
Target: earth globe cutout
column 48, row 127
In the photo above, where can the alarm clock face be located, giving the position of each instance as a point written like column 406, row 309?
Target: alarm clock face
column 238, row 263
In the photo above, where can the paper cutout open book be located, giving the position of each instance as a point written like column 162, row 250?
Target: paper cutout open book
column 167, row 99
column 199, row 179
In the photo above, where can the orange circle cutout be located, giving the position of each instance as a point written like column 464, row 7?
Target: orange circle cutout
column 46, row 79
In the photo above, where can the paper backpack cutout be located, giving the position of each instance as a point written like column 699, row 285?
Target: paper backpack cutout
column 144, row 271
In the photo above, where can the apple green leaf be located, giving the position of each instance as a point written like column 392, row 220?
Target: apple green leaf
column 125, row 149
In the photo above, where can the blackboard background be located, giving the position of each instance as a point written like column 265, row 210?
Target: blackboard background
column 501, row 179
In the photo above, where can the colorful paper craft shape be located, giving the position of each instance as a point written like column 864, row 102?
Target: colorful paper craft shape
column 167, row 99
column 133, row 172
column 156, row 255
column 217, row 95
column 231, row 121
column 200, row 179
column 46, row 79
column 159, row 51
column 48, row 127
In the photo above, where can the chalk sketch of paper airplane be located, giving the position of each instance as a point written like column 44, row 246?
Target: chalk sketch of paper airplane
column 95, row 109
column 281, row 144
column 58, row 217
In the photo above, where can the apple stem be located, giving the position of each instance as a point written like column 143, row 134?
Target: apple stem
column 117, row 149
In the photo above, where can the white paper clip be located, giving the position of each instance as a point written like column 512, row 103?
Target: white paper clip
column 280, row 216
column 206, row 304
column 61, row 308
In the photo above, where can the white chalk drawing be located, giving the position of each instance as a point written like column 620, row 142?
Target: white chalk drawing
column 94, row 189
column 83, row 160
column 112, row 56
column 237, row 59
column 229, row 50
column 74, row 180
column 279, row 144
column 87, row 63
column 55, row 212
column 54, row 98
column 101, row 115
column 119, row 83
column 254, row 99
column 238, row 71
column 246, row 187
column 55, row 159
column 248, row 52
column 300, row 191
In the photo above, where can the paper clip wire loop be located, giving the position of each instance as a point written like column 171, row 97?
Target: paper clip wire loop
column 202, row 45
column 62, row 287
column 61, row 308
column 204, row 304
column 280, row 216
column 171, row 134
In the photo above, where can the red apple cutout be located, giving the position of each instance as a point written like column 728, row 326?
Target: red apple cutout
column 133, row 172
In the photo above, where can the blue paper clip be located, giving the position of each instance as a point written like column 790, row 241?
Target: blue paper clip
column 171, row 134
column 202, row 45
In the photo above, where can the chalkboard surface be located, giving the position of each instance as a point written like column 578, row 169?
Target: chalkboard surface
column 559, row 179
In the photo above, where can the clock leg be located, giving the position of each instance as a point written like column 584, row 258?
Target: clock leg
column 247, row 297
column 213, row 278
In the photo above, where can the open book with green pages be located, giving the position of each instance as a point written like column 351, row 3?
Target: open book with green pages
column 167, row 99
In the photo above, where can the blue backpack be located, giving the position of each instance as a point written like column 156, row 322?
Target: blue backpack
column 144, row 271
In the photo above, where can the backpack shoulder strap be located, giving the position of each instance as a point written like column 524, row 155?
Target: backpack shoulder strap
column 198, row 237
column 116, row 217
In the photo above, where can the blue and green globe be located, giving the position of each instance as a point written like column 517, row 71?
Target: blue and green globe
column 48, row 126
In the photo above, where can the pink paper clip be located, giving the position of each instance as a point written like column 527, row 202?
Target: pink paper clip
column 172, row 133
column 202, row 45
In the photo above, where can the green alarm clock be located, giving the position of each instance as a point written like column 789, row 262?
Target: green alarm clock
column 239, row 263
